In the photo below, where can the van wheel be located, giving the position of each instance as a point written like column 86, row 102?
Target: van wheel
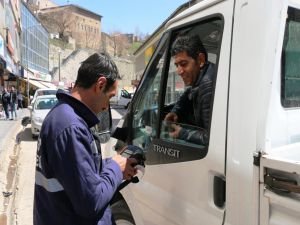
column 121, row 213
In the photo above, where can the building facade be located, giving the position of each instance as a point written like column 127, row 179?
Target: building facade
column 9, row 43
column 35, row 39
column 73, row 21
column 35, row 53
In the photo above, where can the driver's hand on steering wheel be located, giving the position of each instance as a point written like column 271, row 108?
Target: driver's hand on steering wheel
column 175, row 129
column 171, row 117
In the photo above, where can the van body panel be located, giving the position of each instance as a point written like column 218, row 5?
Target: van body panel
column 175, row 200
column 280, row 206
column 254, row 137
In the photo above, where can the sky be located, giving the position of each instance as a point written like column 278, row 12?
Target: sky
column 129, row 16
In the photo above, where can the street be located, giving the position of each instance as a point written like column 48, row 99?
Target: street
column 19, row 189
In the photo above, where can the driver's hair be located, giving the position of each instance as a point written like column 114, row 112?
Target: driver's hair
column 192, row 45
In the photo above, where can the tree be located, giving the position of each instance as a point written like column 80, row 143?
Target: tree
column 59, row 21
column 120, row 43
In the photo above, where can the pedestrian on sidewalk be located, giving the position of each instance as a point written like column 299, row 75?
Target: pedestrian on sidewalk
column 5, row 98
column 13, row 102
column 73, row 185
column 20, row 100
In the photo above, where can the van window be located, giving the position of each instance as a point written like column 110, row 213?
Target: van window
column 290, row 61
column 145, row 115
column 194, row 131
column 163, row 87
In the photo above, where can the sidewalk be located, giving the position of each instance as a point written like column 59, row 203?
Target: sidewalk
column 9, row 130
column 8, row 127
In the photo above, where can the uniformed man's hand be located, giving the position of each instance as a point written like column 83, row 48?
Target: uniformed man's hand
column 127, row 166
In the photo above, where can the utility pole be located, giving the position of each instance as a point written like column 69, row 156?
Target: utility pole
column 59, row 52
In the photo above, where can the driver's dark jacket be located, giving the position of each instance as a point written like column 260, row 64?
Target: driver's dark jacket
column 194, row 107
column 73, row 185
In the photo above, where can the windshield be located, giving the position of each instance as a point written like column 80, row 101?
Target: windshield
column 45, row 103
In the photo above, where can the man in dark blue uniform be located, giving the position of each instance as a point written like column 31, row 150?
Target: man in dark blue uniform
column 73, row 185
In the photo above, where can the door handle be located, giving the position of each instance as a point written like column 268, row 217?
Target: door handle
column 281, row 184
column 219, row 191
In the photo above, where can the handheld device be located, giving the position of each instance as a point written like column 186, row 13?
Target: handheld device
column 132, row 151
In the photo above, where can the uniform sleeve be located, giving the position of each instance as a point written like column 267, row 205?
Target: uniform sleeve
column 74, row 167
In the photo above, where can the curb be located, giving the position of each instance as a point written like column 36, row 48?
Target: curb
column 9, row 150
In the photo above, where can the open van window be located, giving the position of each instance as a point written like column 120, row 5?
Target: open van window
column 157, row 101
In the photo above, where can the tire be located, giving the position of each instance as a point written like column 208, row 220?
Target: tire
column 121, row 213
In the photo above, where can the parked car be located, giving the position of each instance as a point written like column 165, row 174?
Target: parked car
column 41, row 107
column 123, row 98
column 42, row 91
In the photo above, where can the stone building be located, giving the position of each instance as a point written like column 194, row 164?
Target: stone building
column 73, row 21
column 67, row 72
column 36, row 5
column 127, row 73
column 107, row 43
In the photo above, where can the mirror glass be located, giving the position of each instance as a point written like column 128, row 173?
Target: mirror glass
column 103, row 128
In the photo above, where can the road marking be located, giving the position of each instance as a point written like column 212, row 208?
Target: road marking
column 115, row 114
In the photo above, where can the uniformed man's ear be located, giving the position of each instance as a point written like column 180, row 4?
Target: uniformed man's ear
column 202, row 59
column 101, row 82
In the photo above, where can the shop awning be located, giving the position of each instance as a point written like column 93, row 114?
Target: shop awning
column 37, row 84
column 48, row 84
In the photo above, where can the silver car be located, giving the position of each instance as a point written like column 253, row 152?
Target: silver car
column 41, row 107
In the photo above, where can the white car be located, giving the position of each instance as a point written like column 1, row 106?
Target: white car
column 41, row 107
column 43, row 91
column 123, row 98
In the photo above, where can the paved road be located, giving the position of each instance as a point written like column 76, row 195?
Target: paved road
column 117, row 114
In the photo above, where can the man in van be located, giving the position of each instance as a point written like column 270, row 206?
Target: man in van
column 194, row 105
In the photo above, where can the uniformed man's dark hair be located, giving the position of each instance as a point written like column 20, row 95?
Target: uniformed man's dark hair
column 192, row 45
column 95, row 66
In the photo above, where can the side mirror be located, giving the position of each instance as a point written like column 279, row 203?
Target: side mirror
column 103, row 128
column 31, row 97
column 30, row 107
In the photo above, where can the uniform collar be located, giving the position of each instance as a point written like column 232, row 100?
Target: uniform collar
column 80, row 108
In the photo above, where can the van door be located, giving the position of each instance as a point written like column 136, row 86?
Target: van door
column 279, row 165
column 184, row 181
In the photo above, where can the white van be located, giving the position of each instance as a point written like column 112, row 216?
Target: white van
column 249, row 174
